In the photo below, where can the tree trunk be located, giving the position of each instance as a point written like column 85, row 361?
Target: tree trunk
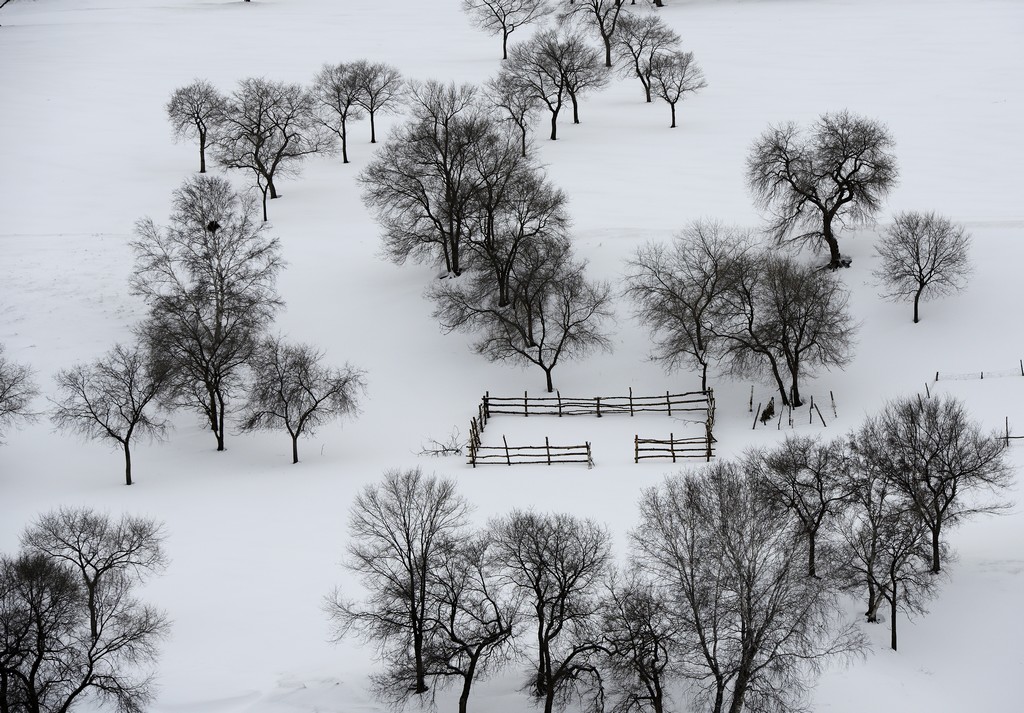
column 607, row 50
column 220, row 422
column 795, row 390
column 554, row 125
column 344, row 143
column 467, row 684
column 202, row 152
column 873, row 602
column 917, row 299
column 811, row 544
column 575, row 108
column 739, row 690
column 704, row 377
column 504, row 45
column 647, row 89
column 295, row 449
column 547, row 373
column 892, row 625
column 673, row 106
column 835, row 259
column 936, row 561
column 522, row 130
column 373, row 130
column 421, row 675
column 127, row 464
column 271, row 187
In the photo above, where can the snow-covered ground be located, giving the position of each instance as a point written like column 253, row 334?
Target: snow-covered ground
column 85, row 150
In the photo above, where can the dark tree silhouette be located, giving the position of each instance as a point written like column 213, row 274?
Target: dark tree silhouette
column 17, row 391
column 114, row 399
column 641, row 43
column 602, row 15
column 517, row 106
column 79, row 629
column 381, row 90
column 291, row 388
column 939, row 460
column 194, row 111
column 838, row 172
column 673, row 76
column 401, row 533
column 503, row 17
column 268, row 129
column 208, row 279
column 337, row 91
column 558, row 562
column 923, row 254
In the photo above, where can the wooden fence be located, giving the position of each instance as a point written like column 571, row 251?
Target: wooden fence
column 525, row 455
column 674, row 448
column 981, row 375
column 690, row 402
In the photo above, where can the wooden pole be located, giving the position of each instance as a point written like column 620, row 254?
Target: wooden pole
column 835, row 414
column 559, row 395
column 751, row 398
column 810, row 412
column 1007, row 431
column 487, row 406
column 753, row 426
column 630, row 400
column 598, row 400
column 778, row 426
column 708, row 438
column 936, row 376
column 590, row 456
column 508, row 459
column 820, row 416
column 1022, row 367
column 927, row 393
column 636, row 448
column 547, row 449
column 526, row 404
column 668, row 400
column 672, row 446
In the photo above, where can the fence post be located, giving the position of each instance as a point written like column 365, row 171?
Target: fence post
column 835, row 414
column 590, row 457
column 824, row 425
column 708, row 437
column 508, row 459
column 751, row 398
column 487, row 406
column 668, row 400
column 753, row 426
column 672, row 446
column 559, row 395
column 630, row 400
column 598, row 400
column 547, row 449
column 936, row 376
column 1022, row 367
column 636, row 448
column 526, row 405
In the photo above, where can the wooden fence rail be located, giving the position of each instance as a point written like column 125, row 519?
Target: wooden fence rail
column 674, row 448
column 525, row 455
column 558, row 405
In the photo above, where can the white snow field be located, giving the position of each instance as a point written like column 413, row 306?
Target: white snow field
column 255, row 542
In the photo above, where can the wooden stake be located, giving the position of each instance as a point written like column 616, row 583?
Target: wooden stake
column 820, row 416
column 508, row 458
column 751, row 398
column 668, row 401
column 526, row 405
column 636, row 448
column 547, row 449
column 672, row 446
column 630, row 400
column 834, row 413
column 753, row 426
column 598, row 400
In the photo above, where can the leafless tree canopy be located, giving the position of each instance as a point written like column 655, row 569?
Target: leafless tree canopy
column 194, row 111
column 756, row 628
column 208, row 279
column 641, row 43
column 557, row 562
column 673, row 75
column 338, row 93
column 503, row 17
column 77, row 628
column 938, row 460
column 114, row 398
column 268, row 129
column 381, row 90
column 677, row 291
column 516, row 106
column 602, row 15
column 923, row 255
column 838, row 172
column 293, row 389
column 17, row 391
column 401, row 533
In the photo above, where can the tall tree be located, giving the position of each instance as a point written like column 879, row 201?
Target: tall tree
column 421, row 185
column 503, row 17
column 517, row 104
column 939, row 460
column 401, row 532
column 268, row 129
column 673, row 76
column 208, row 279
column 581, row 71
column 727, row 562
column 194, row 111
column 538, row 68
column 640, row 43
column 838, row 172
column 602, row 15
column 337, row 92
column 558, row 562
column 113, row 399
column 923, row 254
column 677, row 291
column 17, row 391
column 291, row 387
column 381, row 90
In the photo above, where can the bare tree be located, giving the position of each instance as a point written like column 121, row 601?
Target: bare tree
column 475, row 617
column 673, row 76
column 517, row 104
column 554, row 312
column 337, row 91
column 268, row 129
column 113, row 398
column 677, row 291
column 208, row 279
column 602, row 16
column 641, row 42
column 923, row 254
column 886, row 550
column 291, row 387
column 558, row 562
column 642, row 639
column 582, row 71
column 539, row 68
column 812, row 479
column 194, row 111
column 839, row 172
column 758, row 629
column 89, row 634
column 17, row 390
column 400, row 533
column 939, row 460
column 503, row 17
column 783, row 317
column 420, row 184
column 381, row 90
